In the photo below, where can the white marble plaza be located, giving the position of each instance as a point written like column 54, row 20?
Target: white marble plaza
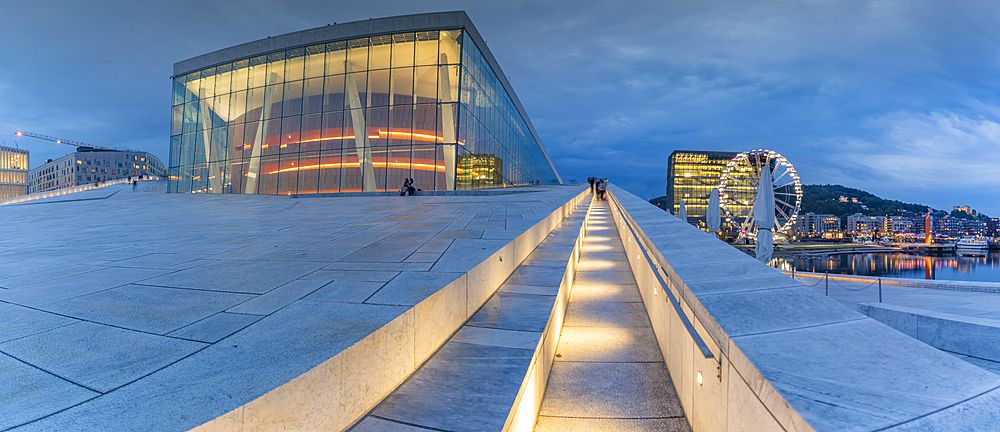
column 148, row 311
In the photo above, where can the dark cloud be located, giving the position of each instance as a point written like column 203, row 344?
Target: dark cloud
column 899, row 98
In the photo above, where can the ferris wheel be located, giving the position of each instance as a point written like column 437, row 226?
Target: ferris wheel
column 738, row 190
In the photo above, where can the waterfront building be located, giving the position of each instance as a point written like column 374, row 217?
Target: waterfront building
column 979, row 228
column 90, row 165
column 899, row 225
column 861, row 225
column 691, row 175
column 353, row 107
column 13, row 172
column 818, row 225
column 993, row 227
column 949, row 227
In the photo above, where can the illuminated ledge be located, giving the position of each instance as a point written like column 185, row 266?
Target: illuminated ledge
column 491, row 374
column 478, row 192
column 790, row 358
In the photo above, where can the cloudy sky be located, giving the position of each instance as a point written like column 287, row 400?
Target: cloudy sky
column 899, row 98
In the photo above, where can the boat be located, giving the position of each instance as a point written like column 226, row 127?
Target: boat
column 972, row 246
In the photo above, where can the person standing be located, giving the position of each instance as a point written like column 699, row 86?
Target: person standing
column 601, row 189
column 591, row 181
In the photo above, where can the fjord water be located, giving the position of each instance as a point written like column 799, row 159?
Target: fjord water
column 947, row 267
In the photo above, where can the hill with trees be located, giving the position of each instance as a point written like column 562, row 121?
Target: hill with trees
column 843, row 201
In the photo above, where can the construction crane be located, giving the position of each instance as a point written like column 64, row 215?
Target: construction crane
column 61, row 140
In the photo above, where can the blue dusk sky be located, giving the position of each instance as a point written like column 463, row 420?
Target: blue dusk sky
column 899, row 98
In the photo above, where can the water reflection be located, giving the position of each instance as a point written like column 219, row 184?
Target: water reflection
column 948, row 267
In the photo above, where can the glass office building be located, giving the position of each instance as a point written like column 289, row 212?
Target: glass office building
column 355, row 107
column 691, row 175
column 13, row 172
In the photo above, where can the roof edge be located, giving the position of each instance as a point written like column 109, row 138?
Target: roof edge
column 368, row 27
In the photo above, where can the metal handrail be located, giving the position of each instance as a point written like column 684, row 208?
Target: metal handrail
column 705, row 351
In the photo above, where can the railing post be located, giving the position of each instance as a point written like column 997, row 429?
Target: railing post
column 828, row 284
column 880, row 290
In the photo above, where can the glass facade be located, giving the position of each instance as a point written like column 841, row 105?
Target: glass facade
column 356, row 115
column 13, row 172
column 691, row 177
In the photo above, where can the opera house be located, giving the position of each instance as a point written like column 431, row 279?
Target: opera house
column 353, row 107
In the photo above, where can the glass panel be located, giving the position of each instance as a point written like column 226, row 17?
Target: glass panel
column 315, row 61
column 425, row 124
column 258, row 71
column 292, row 98
column 207, row 84
column 199, row 178
column 400, row 125
column 451, row 46
column 378, row 87
column 251, row 181
column 191, row 117
column 241, row 72
column 255, row 104
column 439, row 177
column 236, row 141
column 448, row 90
column 378, row 128
column 193, row 85
column 238, row 106
column 218, row 147
column 313, row 96
column 236, row 169
column 224, row 80
column 425, row 84
column 424, row 166
column 329, row 173
column 175, row 151
column 333, row 131
column 398, row 166
column 275, row 68
column 220, row 110
column 350, row 170
column 427, row 48
column 176, row 119
column 357, row 55
column 250, row 138
column 268, row 182
column 290, row 134
column 273, row 100
column 295, row 64
column 312, row 132
column 447, row 124
column 272, row 137
column 402, row 49
column 379, row 155
column 179, row 91
column 402, row 86
column 336, row 58
column 360, row 80
column 288, row 174
column 175, row 180
column 378, row 55
column 334, row 91
column 308, row 174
